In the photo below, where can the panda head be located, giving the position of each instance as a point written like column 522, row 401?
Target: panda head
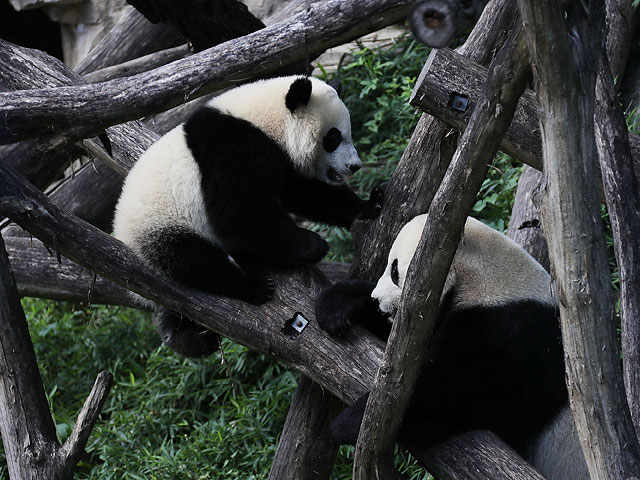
column 305, row 117
column 488, row 270
column 319, row 132
column 389, row 287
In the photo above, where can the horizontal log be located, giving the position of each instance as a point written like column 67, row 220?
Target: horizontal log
column 138, row 65
column 85, row 110
column 39, row 273
column 449, row 78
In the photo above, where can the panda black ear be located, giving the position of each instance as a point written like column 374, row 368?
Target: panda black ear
column 299, row 93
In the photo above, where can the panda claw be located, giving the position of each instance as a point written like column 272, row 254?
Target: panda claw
column 373, row 206
column 263, row 290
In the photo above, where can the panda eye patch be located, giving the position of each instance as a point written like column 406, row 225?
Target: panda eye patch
column 395, row 276
column 332, row 139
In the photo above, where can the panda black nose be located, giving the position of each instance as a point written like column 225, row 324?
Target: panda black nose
column 354, row 168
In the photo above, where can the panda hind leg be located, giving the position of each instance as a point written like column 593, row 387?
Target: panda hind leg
column 183, row 335
column 197, row 263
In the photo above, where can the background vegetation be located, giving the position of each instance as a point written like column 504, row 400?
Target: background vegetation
column 172, row 418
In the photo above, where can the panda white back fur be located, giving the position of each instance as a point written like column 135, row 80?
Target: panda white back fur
column 495, row 360
column 209, row 203
column 475, row 272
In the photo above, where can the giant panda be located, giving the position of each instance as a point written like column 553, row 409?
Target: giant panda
column 210, row 203
column 495, row 360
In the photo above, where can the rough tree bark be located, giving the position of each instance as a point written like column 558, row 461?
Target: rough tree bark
column 46, row 112
column 508, row 75
column 525, row 227
column 450, row 74
column 310, row 452
column 623, row 204
column 28, row 433
column 565, row 76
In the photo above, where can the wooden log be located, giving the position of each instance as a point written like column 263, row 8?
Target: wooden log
column 411, row 331
column 623, row 204
column 138, row 65
column 447, row 75
column 525, row 227
column 38, row 273
column 85, row 110
column 28, row 433
column 132, row 37
column 40, row 161
column 305, row 451
column 565, row 48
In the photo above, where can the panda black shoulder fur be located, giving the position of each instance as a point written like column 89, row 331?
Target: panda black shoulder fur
column 209, row 203
column 495, row 360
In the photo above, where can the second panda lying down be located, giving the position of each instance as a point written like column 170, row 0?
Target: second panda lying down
column 495, row 360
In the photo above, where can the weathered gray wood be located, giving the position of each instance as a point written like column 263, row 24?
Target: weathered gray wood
column 525, row 227
column 477, row 455
column 85, row 110
column 394, row 384
column 138, row 65
column 39, row 160
column 73, row 447
column 447, row 74
column 623, row 204
column 31, row 4
column 620, row 31
column 38, row 273
column 25, row 420
column 132, row 37
column 28, row 432
column 565, row 77
column 306, row 450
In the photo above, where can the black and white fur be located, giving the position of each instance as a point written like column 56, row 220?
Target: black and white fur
column 495, row 360
column 209, row 203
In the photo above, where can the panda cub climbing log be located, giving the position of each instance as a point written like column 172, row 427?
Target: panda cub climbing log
column 495, row 359
column 208, row 204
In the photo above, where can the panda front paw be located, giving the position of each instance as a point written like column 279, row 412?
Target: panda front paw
column 341, row 305
column 313, row 247
column 373, row 206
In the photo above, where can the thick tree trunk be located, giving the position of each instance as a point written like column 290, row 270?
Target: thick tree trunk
column 305, row 451
column 565, row 77
column 623, row 204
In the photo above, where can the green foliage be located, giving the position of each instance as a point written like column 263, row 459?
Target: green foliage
column 166, row 417
column 496, row 196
